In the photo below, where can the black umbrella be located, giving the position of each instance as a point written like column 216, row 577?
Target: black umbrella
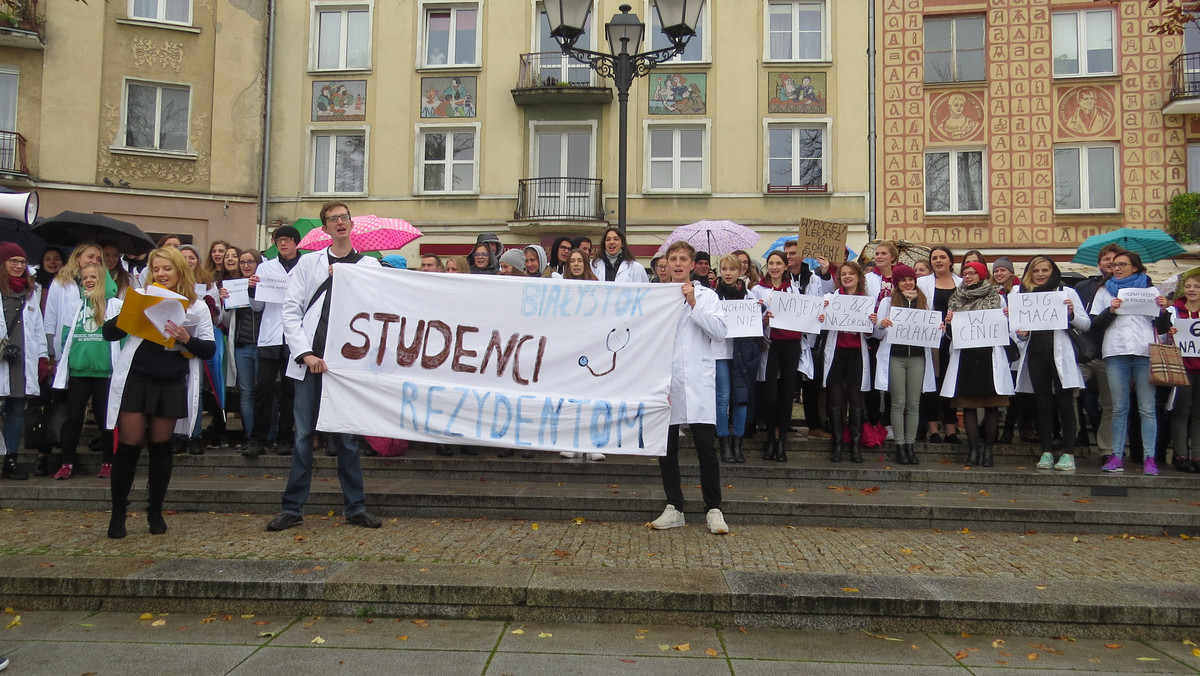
column 71, row 227
column 17, row 232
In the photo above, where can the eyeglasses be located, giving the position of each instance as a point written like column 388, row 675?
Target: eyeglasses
column 339, row 217
column 1122, row 265
column 289, row 240
column 245, row 262
column 17, row 261
column 566, row 247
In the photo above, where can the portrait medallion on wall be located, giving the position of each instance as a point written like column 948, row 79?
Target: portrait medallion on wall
column 955, row 117
column 1087, row 112
column 678, row 93
column 796, row 93
column 443, row 97
column 339, row 100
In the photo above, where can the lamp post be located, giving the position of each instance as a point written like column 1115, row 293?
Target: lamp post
column 624, row 32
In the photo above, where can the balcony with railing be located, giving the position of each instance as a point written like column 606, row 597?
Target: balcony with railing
column 21, row 25
column 553, row 77
column 12, row 154
column 560, row 199
column 1185, row 85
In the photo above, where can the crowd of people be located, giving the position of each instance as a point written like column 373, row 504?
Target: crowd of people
column 62, row 343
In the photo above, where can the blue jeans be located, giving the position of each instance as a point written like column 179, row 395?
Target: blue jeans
column 245, row 357
column 724, row 392
column 349, row 468
column 14, row 423
column 1122, row 371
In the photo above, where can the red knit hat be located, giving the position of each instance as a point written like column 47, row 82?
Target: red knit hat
column 11, row 250
column 978, row 267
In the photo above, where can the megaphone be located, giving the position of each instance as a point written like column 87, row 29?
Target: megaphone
column 22, row 206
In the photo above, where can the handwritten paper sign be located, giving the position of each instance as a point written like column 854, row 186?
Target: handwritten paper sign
column 271, row 288
column 1139, row 302
column 851, row 314
column 796, row 311
column 980, row 328
column 1037, row 311
column 167, row 310
column 922, row 328
column 822, row 239
column 743, row 318
column 1188, row 337
column 239, row 293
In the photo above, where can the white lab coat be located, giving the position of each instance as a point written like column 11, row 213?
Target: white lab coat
column 928, row 284
column 831, row 347
column 1069, row 373
column 34, row 349
column 627, row 271
column 1127, row 334
column 693, row 368
column 270, row 328
column 198, row 323
column 62, row 307
column 300, row 314
column 883, row 356
column 1002, row 375
column 62, row 372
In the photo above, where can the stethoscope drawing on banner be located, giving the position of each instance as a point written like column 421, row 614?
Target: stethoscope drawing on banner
column 611, row 342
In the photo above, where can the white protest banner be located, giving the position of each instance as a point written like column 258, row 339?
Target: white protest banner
column 922, row 328
column 822, row 239
column 795, row 311
column 851, row 314
column 239, row 293
column 271, row 288
column 979, row 328
column 743, row 318
column 544, row 364
column 1139, row 302
column 1037, row 311
column 1188, row 336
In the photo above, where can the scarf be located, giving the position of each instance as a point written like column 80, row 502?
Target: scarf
column 911, row 294
column 1138, row 280
column 43, row 277
column 981, row 296
column 785, row 283
column 611, row 265
column 18, row 285
column 733, row 291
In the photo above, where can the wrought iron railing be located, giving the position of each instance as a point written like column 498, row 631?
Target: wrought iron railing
column 554, row 69
column 12, row 153
column 20, row 14
column 1185, row 76
column 566, row 199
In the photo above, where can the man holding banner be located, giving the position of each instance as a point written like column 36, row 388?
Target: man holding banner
column 305, row 327
column 693, row 393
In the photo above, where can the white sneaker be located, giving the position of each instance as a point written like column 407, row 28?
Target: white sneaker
column 716, row 522
column 891, row 435
column 568, row 454
column 1065, row 463
column 1046, row 462
column 671, row 518
column 596, row 457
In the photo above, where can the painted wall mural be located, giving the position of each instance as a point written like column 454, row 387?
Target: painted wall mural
column 339, row 100
column 448, row 96
column 1087, row 112
column 955, row 117
column 678, row 93
column 801, row 92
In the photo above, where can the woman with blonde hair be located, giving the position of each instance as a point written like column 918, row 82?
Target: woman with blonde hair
column 456, row 265
column 155, row 390
column 66, row 297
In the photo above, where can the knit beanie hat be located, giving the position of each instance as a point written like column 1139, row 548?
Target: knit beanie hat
column 901, row 271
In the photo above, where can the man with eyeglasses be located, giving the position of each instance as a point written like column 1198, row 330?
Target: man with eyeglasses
column 305, row 326
column 272, row 385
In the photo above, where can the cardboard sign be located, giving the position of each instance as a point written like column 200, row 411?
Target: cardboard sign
column 271, row 289
column 743, row 318
column 851, row 314
column 822, row 239
column 1037, row 311
column 1139, row 302
column 1188, row 337
column 980, row 328
column 239, row 293
column 922, row 328
column 796, row 311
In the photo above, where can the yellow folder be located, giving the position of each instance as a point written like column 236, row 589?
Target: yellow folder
column 134, row 320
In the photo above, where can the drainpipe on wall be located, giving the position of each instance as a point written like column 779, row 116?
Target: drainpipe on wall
column 266, row 137
column 871, row 135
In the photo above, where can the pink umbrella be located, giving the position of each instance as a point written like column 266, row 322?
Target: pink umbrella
column 715, row 237
column 371, row 233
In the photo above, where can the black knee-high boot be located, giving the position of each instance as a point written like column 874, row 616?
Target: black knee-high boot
column 157, row 479
column 121, row 482
column 836, row 445
column 856, row 418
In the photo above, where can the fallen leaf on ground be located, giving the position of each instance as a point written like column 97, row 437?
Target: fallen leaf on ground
column 640, row 638
column 849, row 589
column 627, row 660
column 299, row 538
column 401, row 638
column 246, row 617
column 1113, row 646
column 663, row 646
column 261, row 623
column 711, row 652
column 1196, row 652
column 421, row 623
column 318, row 640
column 998, row 643
column 683, row 647
column 518, row 632
column 561, row 553
column 545, row 635
column 906, row 551
column 578, row 520
column 534, row 526
column 8, row 610
column 965, row 530
column 880, row 636
column 965, row 635
column 158, row 623
column 46, row 565
column 643, row 631
column 868, row 491
column 742, row 629
column 961, row 655
column 267, row 634
column 1002, row 662
column 983, row 492
column 1147, row 659
column 16, row 622
column 1032, row 656
column 145, row 616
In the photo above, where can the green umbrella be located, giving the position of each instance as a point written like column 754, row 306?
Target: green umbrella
column 1151, row 245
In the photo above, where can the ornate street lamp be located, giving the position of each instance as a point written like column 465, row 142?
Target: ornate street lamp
column 624, row 32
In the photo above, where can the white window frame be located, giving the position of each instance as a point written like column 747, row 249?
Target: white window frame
column 313, row 133
column 1084, row 189
column 704, row 40
column 1081, row 43
column 419, row 157
column 161, row 14
column 825, row 37
column 706, row 155
column 426, row 6
column 538, row 126
column 9, row 69
column 594, row 37
column 119, row 142
column 954, row 49
column 825, row 124
column 314, row 32
column 954, row 201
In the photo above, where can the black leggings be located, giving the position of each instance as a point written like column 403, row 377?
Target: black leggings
column 782, row 360
column 79, row 391
column 1052, row 398
column 845, row 380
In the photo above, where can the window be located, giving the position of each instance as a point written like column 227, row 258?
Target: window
column 678, row 159
column 954, row 49
column 954, row 182
column 796, row 30
column 1083, row 43
column 796, row 156
column 166, row 11
column 1085, row 178
column 156, row 116
column 697, row 46
column 8, row 98
column 448, row 160
column 452, row 36
column 1193, row 167
column 339, row 162
column 554, row 66
column 343, row 38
